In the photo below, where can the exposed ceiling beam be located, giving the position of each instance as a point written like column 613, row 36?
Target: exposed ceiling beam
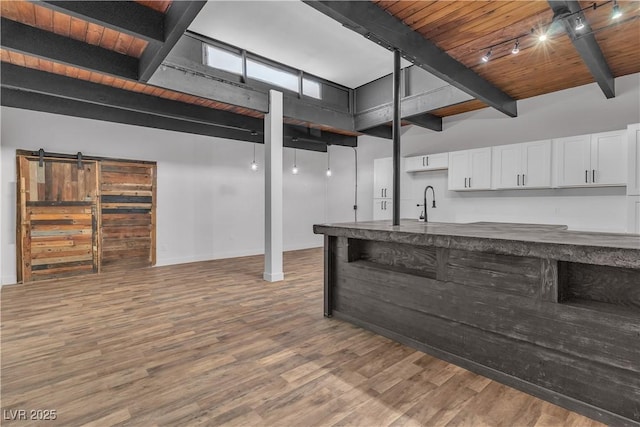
column 410, row 106
column 380, row 131
column 43, row 44
column 189, row 77
column 176, row 21
column 123, row 16
column 52, row 104
column 585, row 43
column 89, row 93
column 426, row 120
column 366, row 18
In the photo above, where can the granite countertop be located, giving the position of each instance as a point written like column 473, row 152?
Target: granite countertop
column 537, row 240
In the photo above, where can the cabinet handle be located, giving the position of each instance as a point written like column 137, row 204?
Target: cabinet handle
column 593, row 175
column 523, row 180
column 423, row 161
column 427, row 160
column 518, row 180
column 381, row 192
column 385, row 205
column 586, row 176
column 469, row 182
column 465, row 183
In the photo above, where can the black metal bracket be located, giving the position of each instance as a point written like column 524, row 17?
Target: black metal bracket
column 41, row 157
column 79, row 160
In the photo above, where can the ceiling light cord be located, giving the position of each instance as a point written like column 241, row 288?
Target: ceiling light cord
column 329, row 173
column 294, row 169
column 254, row 165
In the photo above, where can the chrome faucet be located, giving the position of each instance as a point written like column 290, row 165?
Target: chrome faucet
column 425, row 201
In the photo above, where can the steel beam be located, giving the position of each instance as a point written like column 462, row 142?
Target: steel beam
column 127, row 17
column 368, row 19
column 586, row 44
column 177, row 19
column 427, row 121
column 88, row 93
column 410, row 106
column 381, row 131
column 52, row 104
column 33, row 41
column 187, row 76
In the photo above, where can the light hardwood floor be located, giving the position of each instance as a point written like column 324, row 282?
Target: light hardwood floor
column 210, row 343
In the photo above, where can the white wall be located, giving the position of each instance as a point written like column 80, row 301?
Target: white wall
column 574, row 111
column 210, row 204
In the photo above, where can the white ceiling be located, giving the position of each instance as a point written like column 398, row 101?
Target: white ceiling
column 292, row 33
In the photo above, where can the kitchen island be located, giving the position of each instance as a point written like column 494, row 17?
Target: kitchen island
column 553, row 312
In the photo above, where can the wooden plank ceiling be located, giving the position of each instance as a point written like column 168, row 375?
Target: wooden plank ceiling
column 464, row 29
column 32, row 14
column 467, row 29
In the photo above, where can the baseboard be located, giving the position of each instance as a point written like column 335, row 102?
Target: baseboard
column 533, row 389
column 273, row 277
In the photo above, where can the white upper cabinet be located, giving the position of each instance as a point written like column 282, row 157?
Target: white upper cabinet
column 526, row 165
column 470, row 169
column 633, row 157
column 428, row 162
column 591, row 160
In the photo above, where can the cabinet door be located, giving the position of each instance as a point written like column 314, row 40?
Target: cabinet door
column 458, row 170
column 633, row 164
column 506, row 167
column 536, row 164
column 608, row 158
column 436, row 161
column 414, row 164
column 573, row 161
column 382, row 209
column 383, row 177
column 480, row 161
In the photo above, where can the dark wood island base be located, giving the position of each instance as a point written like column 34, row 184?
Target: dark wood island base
column 551, row 312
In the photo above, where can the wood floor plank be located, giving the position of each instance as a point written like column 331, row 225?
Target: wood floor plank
column 211, row 343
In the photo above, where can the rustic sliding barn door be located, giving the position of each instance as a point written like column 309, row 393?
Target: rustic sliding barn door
column 128, row 214
column 83, row 215
column 57, row 223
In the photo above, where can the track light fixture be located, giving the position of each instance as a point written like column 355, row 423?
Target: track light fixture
column 487, row 55
column 562, row 15
column 516, row 47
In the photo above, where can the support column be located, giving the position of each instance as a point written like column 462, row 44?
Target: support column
column 273, row 130
column 396, row 137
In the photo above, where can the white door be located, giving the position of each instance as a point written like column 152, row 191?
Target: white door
column 506, row 166
column 459, row 172
column 573, row 156
column 480, row 160
column 609, row 158
column 536, row 164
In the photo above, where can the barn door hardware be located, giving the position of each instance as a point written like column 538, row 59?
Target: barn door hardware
column 79, row 160
column 41, row 157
